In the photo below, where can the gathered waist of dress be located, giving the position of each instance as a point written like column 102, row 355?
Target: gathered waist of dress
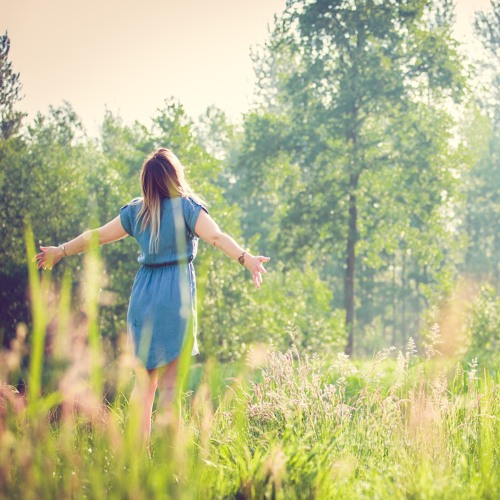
column 171, row 263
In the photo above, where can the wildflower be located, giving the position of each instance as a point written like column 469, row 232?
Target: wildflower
column 411, row 350
column 471, row 374
column 344, row 365
column 343, row 411
column 433, row 338
column 400, row 371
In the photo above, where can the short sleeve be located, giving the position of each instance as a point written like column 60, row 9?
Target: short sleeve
column 191, row 211
column 126, row 218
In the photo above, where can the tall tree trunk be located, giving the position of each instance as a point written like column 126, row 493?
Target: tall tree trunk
column 394, row 299
column 404, row 295
column 351, row 261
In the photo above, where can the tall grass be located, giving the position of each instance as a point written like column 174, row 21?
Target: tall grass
column 279, row 425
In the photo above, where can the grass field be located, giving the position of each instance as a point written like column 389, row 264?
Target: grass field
column 285, row 426
column 277, row 425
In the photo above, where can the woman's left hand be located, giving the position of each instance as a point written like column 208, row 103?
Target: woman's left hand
column 48, row 257
column 254, row 265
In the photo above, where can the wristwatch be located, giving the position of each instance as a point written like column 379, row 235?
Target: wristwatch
column 241, row 259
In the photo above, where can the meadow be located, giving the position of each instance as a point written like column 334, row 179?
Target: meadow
column 408, row 423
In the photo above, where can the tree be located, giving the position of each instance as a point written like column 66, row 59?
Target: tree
column 483, row 189
column 10, row 88
column 12, row 152
column 361, row 88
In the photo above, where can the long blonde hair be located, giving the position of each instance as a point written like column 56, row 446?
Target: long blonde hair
column 162, row 176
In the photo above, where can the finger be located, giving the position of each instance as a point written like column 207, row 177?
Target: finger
column 264, row 259
column 256, row 281
column 43, row 248
column 258, row 278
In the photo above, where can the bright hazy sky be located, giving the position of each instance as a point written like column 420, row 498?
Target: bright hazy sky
column 129, row 55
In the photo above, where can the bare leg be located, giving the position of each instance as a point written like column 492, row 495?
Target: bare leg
column 143, row 395
column 167, row 378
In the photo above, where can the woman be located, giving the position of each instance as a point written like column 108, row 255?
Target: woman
column 166, row 222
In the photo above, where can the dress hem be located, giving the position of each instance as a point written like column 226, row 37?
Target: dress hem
column 168, row 362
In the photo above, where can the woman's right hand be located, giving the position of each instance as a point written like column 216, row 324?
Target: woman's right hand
column 254, row 265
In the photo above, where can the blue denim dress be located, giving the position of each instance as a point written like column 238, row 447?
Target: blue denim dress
column 162, row 304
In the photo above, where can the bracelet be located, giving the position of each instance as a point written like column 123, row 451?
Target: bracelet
column 63, row 248
column 241, row 258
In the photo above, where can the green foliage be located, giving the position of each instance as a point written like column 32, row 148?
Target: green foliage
column 293, row 304
column 42, row 177
column 63, row 183
column 355, row 116
column 482, row 185
column 355, row 120
column 13, row 274
column 483, row 328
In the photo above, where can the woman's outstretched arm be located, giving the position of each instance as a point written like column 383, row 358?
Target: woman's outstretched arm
column 50, row 256
column 208, row 230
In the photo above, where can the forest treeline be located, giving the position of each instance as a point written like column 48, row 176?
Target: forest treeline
column 368, row 170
